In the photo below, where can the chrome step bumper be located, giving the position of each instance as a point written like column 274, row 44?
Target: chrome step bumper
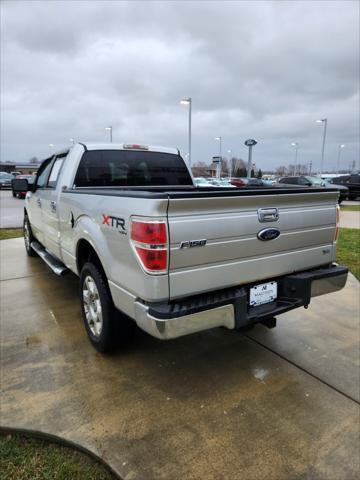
column 230, row 308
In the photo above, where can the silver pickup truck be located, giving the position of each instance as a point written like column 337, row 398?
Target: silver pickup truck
column 153, row 249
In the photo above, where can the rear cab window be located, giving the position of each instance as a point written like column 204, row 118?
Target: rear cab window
column 123, row 168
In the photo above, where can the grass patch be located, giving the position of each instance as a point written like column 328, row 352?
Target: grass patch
column 348, row 249
column 350, row 208
column 32, row 459
column 6, row 233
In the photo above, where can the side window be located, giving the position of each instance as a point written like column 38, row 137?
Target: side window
column 43, row 174
column 55, row 173
column 303, row 181
column 288, row 180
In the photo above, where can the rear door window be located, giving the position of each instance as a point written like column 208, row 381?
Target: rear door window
column 55, row 172
column 43, row 173
column 288, row 180
column 117, row 168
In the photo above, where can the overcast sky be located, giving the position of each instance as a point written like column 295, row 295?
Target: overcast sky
column 265, row 70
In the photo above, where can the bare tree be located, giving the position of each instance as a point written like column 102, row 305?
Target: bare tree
column 200, row 169
column 224, row 167
column 237, row 165
column 281, row 171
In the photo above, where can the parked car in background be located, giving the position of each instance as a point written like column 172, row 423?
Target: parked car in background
column 238, row 182
column 5, row 180
column 306, row 181
column 212, row 182
column 250, row 182
column 201, row 181
column 19, row 193
column 352, row 182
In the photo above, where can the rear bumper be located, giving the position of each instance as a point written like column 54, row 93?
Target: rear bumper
column 230, row 308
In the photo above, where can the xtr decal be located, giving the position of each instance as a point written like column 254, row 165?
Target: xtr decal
column 115, row 222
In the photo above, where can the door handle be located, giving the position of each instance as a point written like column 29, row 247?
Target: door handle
column 38, row 201
column 53, row 206
column 268, row 214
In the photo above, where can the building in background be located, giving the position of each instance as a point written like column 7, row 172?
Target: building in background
column 24, row 168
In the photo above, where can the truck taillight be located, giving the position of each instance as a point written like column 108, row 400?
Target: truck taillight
column 150, row 242
column 337, row 228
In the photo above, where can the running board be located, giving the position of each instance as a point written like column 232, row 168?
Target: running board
column 55, row 264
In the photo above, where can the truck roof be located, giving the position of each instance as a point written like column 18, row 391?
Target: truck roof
column 128, row 146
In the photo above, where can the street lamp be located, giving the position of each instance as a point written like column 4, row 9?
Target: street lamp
column 230, row 161
column 250, row 143
column 296, row 145
column 187, row 101
column 338, row 158
column 324, row 121
column 110, row 130
column 219, row 139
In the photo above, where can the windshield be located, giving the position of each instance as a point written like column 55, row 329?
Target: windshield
column 316, row 181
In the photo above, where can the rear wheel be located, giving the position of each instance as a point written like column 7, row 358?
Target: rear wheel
column 28, row 237
column 106, row 327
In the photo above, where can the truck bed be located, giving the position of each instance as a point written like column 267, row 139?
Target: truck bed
column 228, row 221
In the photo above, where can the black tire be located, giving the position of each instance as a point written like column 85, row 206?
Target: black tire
column 13, row 194
column 116, row 328
column 28, row 237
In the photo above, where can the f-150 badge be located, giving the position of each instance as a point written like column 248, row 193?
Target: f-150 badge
column 193, row 243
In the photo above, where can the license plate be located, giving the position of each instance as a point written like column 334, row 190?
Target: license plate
column 264, row 293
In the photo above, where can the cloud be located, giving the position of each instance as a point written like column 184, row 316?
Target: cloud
column 253, row 69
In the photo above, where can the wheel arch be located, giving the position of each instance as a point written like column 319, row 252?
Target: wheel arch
column 86, row 252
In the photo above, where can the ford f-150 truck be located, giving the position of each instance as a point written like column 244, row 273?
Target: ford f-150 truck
column 153, row 249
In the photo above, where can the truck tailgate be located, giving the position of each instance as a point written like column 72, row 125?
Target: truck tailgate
column 233, row 253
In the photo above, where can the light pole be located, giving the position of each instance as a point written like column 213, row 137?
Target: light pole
column 110, row 131
column 219, row 139
column 187, row 101
column 296, row 145
column 310, row 167
column 324, row 121
column 250, row 143
column 338, row 158
column 230, row 162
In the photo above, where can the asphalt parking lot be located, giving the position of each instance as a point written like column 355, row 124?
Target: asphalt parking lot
column 11, row 210
column 279, row 404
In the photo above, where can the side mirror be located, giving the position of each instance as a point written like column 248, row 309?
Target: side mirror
column 20, row 185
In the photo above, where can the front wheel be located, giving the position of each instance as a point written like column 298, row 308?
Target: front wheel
column 28, row 237
column 106, row 327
